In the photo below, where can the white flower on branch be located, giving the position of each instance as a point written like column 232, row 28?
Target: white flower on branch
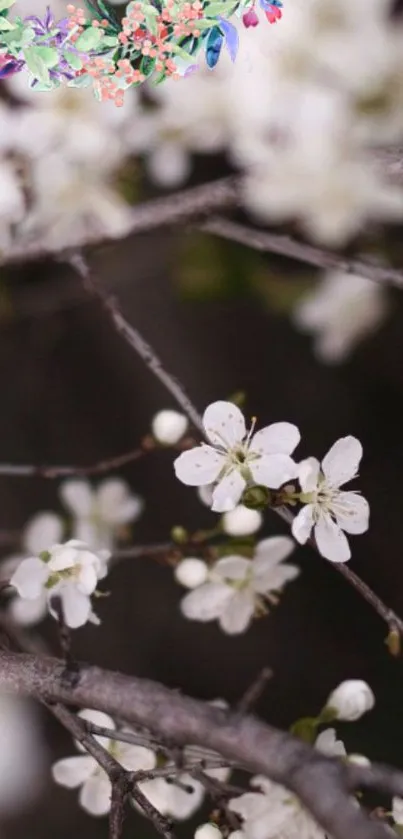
column 168, row 427
column 41, row 530
column 236, row 457
column 69, row 572
column 99, row 513
column 191, row 572
column 273, row 813
column 351, row 699
column 239, row 588
column 82, row 771
column 328, row 510
column 241, row 521
column 340, row 312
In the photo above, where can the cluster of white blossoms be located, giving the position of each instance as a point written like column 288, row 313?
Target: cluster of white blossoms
column 235, row 460
column 97, row 517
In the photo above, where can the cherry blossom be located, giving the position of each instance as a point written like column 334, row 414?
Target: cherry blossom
column 83, row 772
column 239, row 588
column 328, row 510
column 351, row 699
column 99, row 513
column 241, row 521
column 273, row 812
column 236, row 457
column 70, row 572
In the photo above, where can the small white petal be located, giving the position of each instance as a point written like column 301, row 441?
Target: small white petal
column 134, row 758
column 238, row 613
column 168, row 427
column 76, row 494
column 351, row 699
column 30, row 578
column 97, row 718
column 199, row 466
column 232, row 568
column 224, row 424
column 303, row 524
column 87, row 578
column 353, row 517
column 62, row 557
column 191, row 572
column 206, row 602
column 278, row 438
column 331, row 541
column 71, row 772
column 397, row 810
column 269, row 573
column 308, row 474
column 274, row 549
column 95, row 795
column 273, row 470
column 29, row 612
column 329, row 745
column 114, row 502
column 342, row 460
column 76, row 605
column 41, row 532
column 205, row 494
column 241, row 521
column 208, row 831
column 228, row 492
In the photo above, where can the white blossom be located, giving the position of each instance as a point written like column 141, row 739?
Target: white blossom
column 351, row 699
column 241, row 521
column 238, row 588
column 68, row 571
column 83, row 772
column 41, row 531
column 340, row 312
column 236, row 458
column 99, row 513
column 328, row 510
column 273, row 812
column 191, row 572
column 208, row 831
column 168, row 427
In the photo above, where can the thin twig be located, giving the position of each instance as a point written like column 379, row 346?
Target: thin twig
column 134, row 339
column 108, row 465
column 268, row 242
column 254, row 692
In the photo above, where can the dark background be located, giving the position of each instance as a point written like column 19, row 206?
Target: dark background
column 73, row 392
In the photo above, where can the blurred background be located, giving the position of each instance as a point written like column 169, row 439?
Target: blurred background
column 323, row 351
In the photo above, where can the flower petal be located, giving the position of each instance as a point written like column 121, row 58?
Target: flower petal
column 342, row 460
column 87, row 579
column 228, row 492
column 76, row 494
column 207, row 602
column 28, row 612
column 352, row 512
column 224, row 424
column 278, row 438
column 329, row 745
column 199, row 466
column 331, row 541
column 232, row 568
column 303, row 524
column 95, row 795
column 308, row 474
column 269, row 574
column 134, row 758
column 273, row 550
column 71, row 772
column 238, row 613
column 30, row 578
column 41, row 532
column 115, row 503
column 273, row 470
column 76, row 605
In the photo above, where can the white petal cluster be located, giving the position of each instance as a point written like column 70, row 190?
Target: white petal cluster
column 234, row 458
column 99, row 513
column 70, row 572
column 339, row 313
column 238, row 588
column 272, row 812
column 328, row 510
column 351, row 699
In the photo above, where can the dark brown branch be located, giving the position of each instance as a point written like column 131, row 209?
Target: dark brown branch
column 134, row 339
column 268, row 242
column 324, row 785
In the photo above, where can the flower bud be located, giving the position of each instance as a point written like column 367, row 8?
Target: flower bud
column 256, row 497
column 191, row 572
column 169, row 427
column 208, row 831
column 250, row 18
column 351, row 700
column 241, row 521
column 359, row 760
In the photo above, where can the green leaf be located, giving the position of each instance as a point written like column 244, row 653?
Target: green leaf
column 6, row 24
column 73, row 60
column 48, row 55
column 80, row 81
column 305, row 729
column 6, row 4
column 220, row 9
column 36, row 65
column 177, row 50
column 89, row 40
